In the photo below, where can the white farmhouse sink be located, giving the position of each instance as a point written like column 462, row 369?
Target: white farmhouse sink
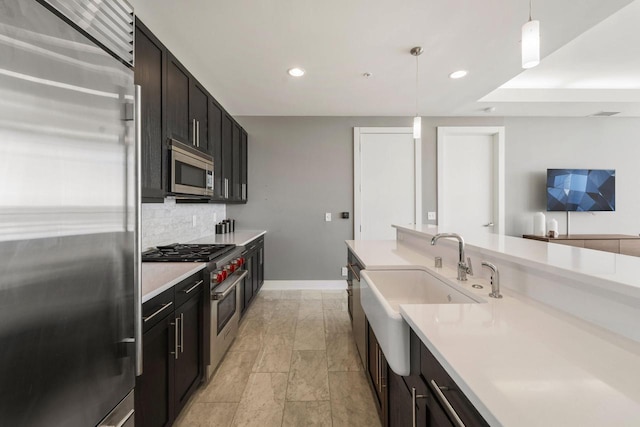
column 382, row 293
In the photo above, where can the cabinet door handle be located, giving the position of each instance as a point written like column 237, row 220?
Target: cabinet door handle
column 445, row 402
column 176, row 338
column 193, row 132
column 414, row 398
column 353, row 272
column 126, row 418
column 192, row 288
column 181, row 332
column 378, row 367
column 160, row 310
column 198, row 133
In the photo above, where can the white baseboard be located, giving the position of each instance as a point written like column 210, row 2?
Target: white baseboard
column 318, row 285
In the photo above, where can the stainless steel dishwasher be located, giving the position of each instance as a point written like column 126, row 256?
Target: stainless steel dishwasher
column 359, row 319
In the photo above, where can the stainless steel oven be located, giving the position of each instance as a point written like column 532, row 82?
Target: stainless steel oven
column 225, row 310
column 191, row 170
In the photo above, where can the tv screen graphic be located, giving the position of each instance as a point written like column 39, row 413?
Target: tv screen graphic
column 581, row 190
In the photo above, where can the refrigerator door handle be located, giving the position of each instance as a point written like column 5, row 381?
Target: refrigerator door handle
column 137, row 247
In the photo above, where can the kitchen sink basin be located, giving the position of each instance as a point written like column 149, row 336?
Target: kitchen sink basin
column 382, row 292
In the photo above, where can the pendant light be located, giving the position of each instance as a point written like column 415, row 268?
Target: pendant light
column 417, row 120
column 530, row 42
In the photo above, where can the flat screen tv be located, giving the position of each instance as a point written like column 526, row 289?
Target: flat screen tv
column 581, row 190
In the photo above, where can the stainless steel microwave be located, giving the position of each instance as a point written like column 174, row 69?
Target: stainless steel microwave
column 191, row 170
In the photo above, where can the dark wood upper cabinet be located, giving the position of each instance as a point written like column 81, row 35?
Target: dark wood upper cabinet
column 176, row 106
column 227, row 156
column 199, row 116
column 236, row 160
column 177, row 119
column 149, row 74
column 244, row 166
column 187, row 107
column 216, row 113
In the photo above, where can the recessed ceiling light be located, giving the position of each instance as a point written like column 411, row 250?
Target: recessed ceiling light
column 458, row 74
column 367, row 74
column 296, row 72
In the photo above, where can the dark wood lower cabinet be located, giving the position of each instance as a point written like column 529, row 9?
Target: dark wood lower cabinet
column 173, row 352
column 154, row 389
column 188, row 365
column 378, row 374
column 254, row 264
column 400, row 402
column 247, row 285
column 428, row 393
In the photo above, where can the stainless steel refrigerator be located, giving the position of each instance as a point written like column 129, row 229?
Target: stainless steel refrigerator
column 69, row 282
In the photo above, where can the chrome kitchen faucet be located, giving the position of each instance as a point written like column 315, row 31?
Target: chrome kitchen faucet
column 464, row 268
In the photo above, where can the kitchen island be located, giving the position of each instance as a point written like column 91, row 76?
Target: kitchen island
column 519, row 360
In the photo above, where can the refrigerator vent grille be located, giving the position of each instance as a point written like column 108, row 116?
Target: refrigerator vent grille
column 109, row 22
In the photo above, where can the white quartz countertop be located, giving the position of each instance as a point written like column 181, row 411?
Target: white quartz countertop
column 157, row 277
column 521, row 363
column 238, row 238
column 386, row 254
column 612, row 272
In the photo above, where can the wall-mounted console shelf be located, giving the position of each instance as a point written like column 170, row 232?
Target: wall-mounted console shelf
column 616, row 243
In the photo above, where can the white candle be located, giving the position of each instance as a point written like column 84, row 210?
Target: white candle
column 538, row 224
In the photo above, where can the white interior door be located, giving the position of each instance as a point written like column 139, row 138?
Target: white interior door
column 471, row 178
column 387, row 181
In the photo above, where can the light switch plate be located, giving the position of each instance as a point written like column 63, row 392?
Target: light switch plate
column 327, row 216
column 431, row 215
column 344, row 272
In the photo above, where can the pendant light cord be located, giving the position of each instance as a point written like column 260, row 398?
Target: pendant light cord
column 417, row 85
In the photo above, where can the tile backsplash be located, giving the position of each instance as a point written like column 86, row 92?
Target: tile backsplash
column 171, row 222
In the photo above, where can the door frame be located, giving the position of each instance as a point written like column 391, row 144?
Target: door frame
column 357, row 185
column 498, row 134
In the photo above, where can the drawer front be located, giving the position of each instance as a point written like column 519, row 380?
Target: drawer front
column 603, row 245
column 577, row 243
column 630, row 247
column 157, row 309
column 437, row 378
column 189, row 287
column 254, row 244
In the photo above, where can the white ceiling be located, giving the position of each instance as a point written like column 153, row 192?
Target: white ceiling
column 240, row 50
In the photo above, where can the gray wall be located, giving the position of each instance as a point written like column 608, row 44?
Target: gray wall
column 535, row 144
column 302, row 167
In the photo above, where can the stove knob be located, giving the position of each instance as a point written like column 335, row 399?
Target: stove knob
column 220, row 277
column 241, row 261
column 232, row 267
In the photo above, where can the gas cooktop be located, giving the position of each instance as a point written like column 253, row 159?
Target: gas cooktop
column 186, row 253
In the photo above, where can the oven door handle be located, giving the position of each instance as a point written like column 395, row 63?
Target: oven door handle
column 220, row 295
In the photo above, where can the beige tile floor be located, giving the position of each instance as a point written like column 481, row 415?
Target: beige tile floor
column 294, row 363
